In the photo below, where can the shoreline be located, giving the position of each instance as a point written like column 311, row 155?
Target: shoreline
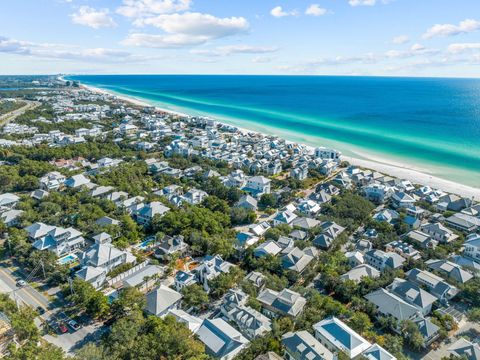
column 384, row 166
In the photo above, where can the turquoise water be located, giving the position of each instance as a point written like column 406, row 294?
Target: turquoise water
column 144, row 245
column 427, row 123
column 67, row 259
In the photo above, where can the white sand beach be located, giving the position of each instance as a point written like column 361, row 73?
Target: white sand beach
column 402, row 171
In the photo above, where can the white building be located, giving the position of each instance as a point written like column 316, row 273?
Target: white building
column 325, row 153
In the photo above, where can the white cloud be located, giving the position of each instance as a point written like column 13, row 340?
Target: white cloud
column 465, row 26
column 401, row 39
column 262, row 59
column 90, row 17
column 235, row 49
column 197, row 24
column 248, row 49
column 417, row 47
column 163, row 41
column 279, row 12
column 186, row 29
column 315, row 10
column 362, row 2
column 142, row 8
column 462, row 47
column 63, row 52
column 313, row 65
column 415, row 50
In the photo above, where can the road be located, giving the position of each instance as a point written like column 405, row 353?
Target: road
column 27, row 295
column 6, row 118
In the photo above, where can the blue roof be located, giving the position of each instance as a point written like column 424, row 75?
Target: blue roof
column 339, row 334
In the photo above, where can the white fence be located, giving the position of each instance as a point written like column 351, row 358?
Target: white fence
column 127, row 273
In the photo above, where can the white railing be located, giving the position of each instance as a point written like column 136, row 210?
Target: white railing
column 127, row 273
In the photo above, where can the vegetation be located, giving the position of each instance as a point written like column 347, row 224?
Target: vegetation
column 349, row 210
column 86, row 298
column 145, row 338
column 194, row 296
column 9, row 106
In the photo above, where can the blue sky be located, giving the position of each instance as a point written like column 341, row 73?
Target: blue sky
column 291, row 37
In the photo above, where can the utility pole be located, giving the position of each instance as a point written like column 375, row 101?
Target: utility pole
column 43, row 270
column 70, row 285
column 7, row 238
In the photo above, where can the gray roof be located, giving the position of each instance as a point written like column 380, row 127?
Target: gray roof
column 249, row 320
column 361, row 271
column 220, row 338
column 137, row 277
column 100, row 254
column 296, row 259
column 450, row 269
column 305, row 223
column 436, row 284
column 390, row 304
column 304, row 346
column 412, row 293
column 463, row 347
column 161, row 299
column 285, row 302
column 427, row 328
column 376, row 352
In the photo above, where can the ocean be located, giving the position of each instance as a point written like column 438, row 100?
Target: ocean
column 428, row 124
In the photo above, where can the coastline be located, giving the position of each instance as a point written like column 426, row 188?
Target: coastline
column 384, row 166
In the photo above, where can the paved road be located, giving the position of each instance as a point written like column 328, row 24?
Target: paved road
column 26, row 295
column 6, row 118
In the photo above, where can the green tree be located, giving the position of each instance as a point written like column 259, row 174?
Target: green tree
column 412, row 335
column 225, row 281
column 195, row 296
column 474, row 315
column 360, row 322
column 129, row 300
column 22, row 323
column 85, row 297
column 267, row 201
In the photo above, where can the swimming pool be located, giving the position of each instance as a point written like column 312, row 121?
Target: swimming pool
column 70, row 258
column 144, row 244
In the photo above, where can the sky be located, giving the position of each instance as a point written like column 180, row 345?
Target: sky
column 286, row 37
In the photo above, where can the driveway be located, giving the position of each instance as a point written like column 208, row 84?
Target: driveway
column 72, row 341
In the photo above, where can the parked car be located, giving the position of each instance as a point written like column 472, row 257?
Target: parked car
column 21, row 283
column 62, row 316
column 63, row 329
column 74, row 325
column 40, row 310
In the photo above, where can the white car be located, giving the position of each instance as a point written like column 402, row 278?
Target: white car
column 21, row 283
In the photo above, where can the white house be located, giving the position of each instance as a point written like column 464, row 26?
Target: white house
column 336, row 336
column 57, row 239
column 258, row 185
column 439, row 232
column 52, row 181
column 210, row 268
column 8, row 200
column 301, row 345
column 161, row 300
column 145, row 214
column 221, row 340
column 325, row 153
